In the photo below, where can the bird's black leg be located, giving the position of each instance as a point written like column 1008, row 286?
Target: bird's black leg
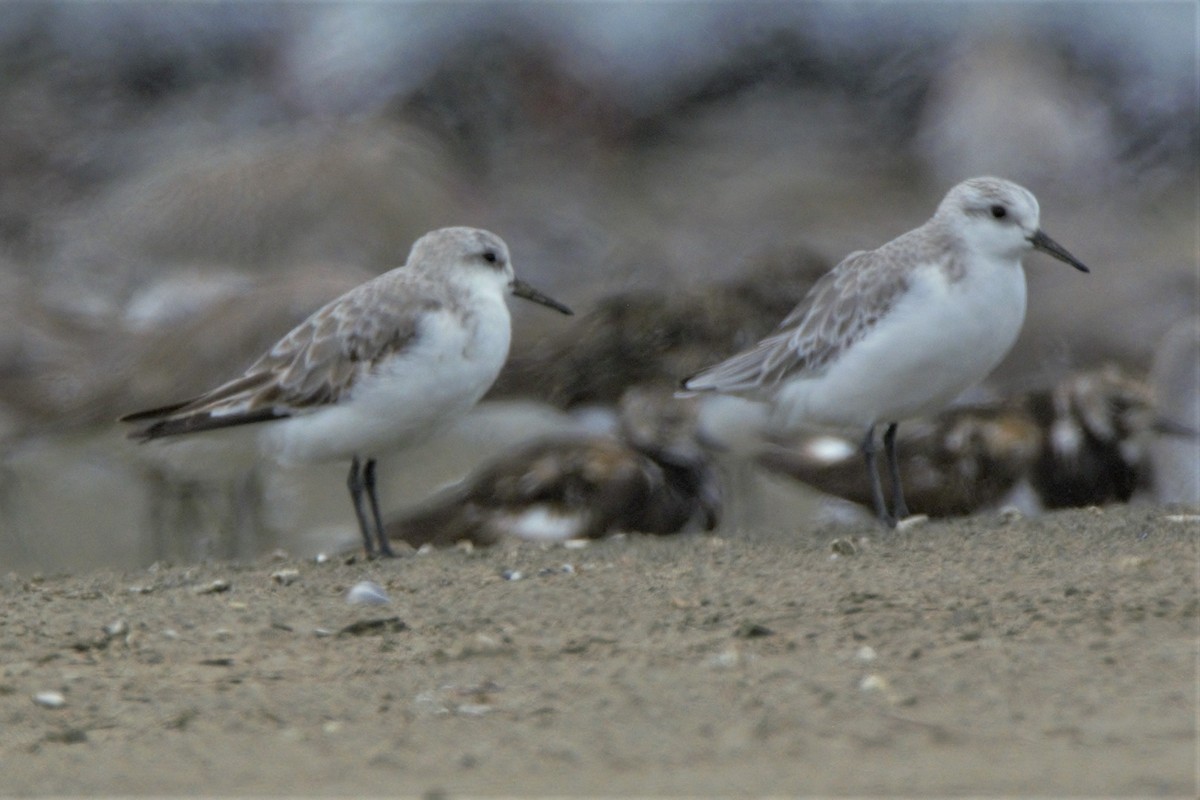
column 869, row 450
column 385, row 547
column 355, row 484
column 899, row 507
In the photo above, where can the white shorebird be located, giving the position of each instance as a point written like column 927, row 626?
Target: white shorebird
column 381, row 367
column 899, row 331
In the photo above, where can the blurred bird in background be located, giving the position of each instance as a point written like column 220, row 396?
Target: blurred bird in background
column 648, row 475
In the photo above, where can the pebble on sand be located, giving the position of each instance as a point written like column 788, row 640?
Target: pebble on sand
column 50, row 699
column 285, row 577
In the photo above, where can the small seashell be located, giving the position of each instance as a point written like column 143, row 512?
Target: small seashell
column 285, row 577
column 114, row 629
column 911, row 522
column 321, row 558
column 216, row 587
column 874, row 683
column 425, row 549
column 866, row 654
column 512, row 575
column 50, row 699
column 880, row 686
column 367, row 593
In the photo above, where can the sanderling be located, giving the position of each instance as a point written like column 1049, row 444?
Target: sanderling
column 381, row 367
column 899, row 331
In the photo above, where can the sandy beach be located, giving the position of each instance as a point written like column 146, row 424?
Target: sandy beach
column 986, row 656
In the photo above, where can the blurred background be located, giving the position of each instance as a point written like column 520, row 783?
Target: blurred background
column 181, row 182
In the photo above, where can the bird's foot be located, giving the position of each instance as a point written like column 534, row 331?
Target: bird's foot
column 385, row 548
column 384, row 551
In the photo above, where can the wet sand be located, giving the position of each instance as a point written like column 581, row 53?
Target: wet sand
column 981, row 656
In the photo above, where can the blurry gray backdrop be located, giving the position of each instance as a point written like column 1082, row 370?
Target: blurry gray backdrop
column 180, row 182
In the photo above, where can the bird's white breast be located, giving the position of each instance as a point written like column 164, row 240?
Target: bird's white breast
column 408, row 396
column 941, row 337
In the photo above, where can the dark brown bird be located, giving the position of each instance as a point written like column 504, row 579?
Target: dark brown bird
column 648, row 477
column 1082, row 442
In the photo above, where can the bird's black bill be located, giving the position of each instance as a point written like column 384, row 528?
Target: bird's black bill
column 522, row 289
column 1044, row 243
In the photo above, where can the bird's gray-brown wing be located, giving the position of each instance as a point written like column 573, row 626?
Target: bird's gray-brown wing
column 315, row 365
column 839, row 310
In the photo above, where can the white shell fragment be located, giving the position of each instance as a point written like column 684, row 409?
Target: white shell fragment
column 50, row 699
column 874, row 683
column 367, row 593
column 911, row 522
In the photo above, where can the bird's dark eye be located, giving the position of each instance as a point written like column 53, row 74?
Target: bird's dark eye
column 999, row 212
column 489, row 256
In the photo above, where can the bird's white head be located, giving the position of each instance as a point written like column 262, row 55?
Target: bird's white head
column 998, row 218
column 475, row 257
column 469, row 254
